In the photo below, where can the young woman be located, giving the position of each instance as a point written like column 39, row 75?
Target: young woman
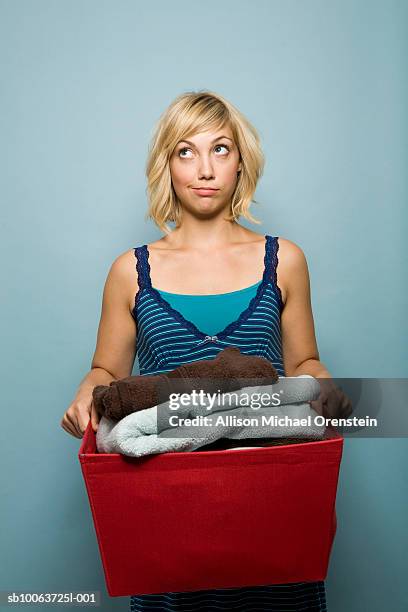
column 207, row 284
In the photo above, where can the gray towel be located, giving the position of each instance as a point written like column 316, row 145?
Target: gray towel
column 143, row 433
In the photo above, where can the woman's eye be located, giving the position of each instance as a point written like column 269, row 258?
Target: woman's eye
column 221, row 146
column 185, row 149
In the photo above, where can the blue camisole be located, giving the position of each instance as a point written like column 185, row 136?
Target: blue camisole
column 214, row 311
column 173, row 329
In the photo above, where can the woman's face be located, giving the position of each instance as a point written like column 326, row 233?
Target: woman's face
column 208, row 160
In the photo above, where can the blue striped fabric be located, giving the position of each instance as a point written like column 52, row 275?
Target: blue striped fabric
column 292, row 597
column 166, row 339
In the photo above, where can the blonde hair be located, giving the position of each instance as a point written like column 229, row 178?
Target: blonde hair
column 191, row 113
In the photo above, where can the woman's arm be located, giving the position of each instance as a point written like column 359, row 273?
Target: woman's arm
column 300, row 352
column 116, row 339
column 115, row 346
column 95, row 376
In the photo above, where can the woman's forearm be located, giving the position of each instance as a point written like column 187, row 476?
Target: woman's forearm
column 96, row 376
column 314, row 367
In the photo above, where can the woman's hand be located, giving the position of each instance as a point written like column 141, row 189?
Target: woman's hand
column 332, row 401
column 76, row 418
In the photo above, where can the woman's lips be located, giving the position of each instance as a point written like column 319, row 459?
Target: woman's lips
column 205, row 192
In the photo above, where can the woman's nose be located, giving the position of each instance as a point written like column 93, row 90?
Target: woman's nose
column 205, row 168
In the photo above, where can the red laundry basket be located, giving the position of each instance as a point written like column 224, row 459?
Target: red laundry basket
column 190, row 521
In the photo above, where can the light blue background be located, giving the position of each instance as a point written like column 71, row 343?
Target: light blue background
column 83, row 84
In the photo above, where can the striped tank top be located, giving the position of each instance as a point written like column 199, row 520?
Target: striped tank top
column 166, row 339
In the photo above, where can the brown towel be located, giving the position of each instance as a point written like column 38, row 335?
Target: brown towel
column 228, row 371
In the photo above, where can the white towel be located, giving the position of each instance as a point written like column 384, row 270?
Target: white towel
column 142, row 433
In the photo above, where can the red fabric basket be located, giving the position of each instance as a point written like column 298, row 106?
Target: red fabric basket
column 190, row 521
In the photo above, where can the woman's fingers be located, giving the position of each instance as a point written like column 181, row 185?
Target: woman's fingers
column 83, row 420
column 94, row 417
column 70, row 427
column 317, row 406
column 76, row 418
column 332, row 401
column 347, row 406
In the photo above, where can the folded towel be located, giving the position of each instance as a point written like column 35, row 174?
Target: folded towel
column 146, row 432
column 228, row 371
column 229, row 444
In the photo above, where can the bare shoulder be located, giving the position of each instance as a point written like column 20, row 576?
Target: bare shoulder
column 292, row 266
column 123, row 275
column 124, row 264
column 290, row 254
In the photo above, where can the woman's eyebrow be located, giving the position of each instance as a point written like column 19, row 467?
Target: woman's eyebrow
column 215, row 140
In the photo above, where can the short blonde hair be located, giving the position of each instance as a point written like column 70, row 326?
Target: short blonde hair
column 191, row 113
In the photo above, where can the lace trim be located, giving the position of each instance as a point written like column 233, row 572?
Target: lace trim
column 260, row 291
column 274, row 266
column 269, row 276
column 142, row 279
column 269, row 269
